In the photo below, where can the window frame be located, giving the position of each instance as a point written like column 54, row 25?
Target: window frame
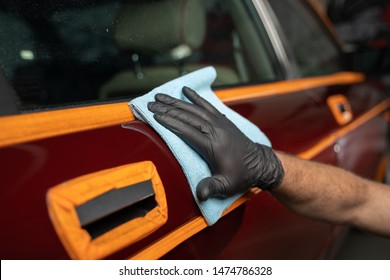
column 262, row 17
column 307, row 6
column 284, row 54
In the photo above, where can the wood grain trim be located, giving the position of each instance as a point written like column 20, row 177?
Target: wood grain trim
column 386, row 116
column 28, row 127
column 380, row 173
column 330, row 139
column 18, row 129
column 181, row 234
column 235, row 95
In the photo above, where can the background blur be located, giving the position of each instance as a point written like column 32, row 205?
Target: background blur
column 364, row 28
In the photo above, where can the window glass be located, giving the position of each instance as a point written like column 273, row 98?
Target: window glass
column 314, row 51
column 58, row 53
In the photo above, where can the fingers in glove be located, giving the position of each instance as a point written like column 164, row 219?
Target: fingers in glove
column 185, row 106
column 211, row 187
column 192, row 136
column 195, row 98
column 184, row 116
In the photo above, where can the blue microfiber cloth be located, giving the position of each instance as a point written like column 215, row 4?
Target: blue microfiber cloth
column 194, row 167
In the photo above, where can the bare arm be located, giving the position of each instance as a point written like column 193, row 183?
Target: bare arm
column 311, row 189
column 334, row 195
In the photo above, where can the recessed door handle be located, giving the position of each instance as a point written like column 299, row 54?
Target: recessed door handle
column 98, row 214
column 340, row 108
column 115, row 207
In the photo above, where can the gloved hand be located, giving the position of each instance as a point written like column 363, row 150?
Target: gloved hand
column 236, row 162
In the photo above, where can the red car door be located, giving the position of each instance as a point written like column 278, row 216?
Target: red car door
column 74, row 158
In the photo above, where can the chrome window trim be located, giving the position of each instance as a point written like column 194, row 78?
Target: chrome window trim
column 275, row 34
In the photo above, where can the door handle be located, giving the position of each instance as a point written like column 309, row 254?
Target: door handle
column 115, row 207
column 340, row 108
column 98, row 214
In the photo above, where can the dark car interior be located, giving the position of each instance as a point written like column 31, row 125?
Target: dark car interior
column 65, row 53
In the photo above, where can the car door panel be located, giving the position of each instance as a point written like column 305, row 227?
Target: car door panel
column 44, row 163
column 371, row 151
column 39, row 151
column 50, row 162
column 317, row 138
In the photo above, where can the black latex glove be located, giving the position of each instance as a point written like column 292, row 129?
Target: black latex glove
column 236, row 162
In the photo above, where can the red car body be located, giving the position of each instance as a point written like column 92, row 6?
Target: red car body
column 340, row 118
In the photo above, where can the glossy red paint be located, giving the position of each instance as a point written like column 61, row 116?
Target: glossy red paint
column 370, row 152
column 294, row 123
column 33, row 168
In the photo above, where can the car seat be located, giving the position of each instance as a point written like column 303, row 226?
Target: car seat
column 161, row 41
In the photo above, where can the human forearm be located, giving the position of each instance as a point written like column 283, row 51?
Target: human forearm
column 333, row 195
column 318, row 190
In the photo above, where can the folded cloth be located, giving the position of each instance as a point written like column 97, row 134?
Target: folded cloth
column 194, row 167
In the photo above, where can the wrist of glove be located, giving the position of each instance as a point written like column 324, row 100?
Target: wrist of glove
column 236, row 162
column 269, row 170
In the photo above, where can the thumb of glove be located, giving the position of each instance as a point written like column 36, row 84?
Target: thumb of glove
column 214, row 186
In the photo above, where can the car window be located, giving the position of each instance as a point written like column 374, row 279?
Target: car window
column 315, row 53
column 65, row 52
